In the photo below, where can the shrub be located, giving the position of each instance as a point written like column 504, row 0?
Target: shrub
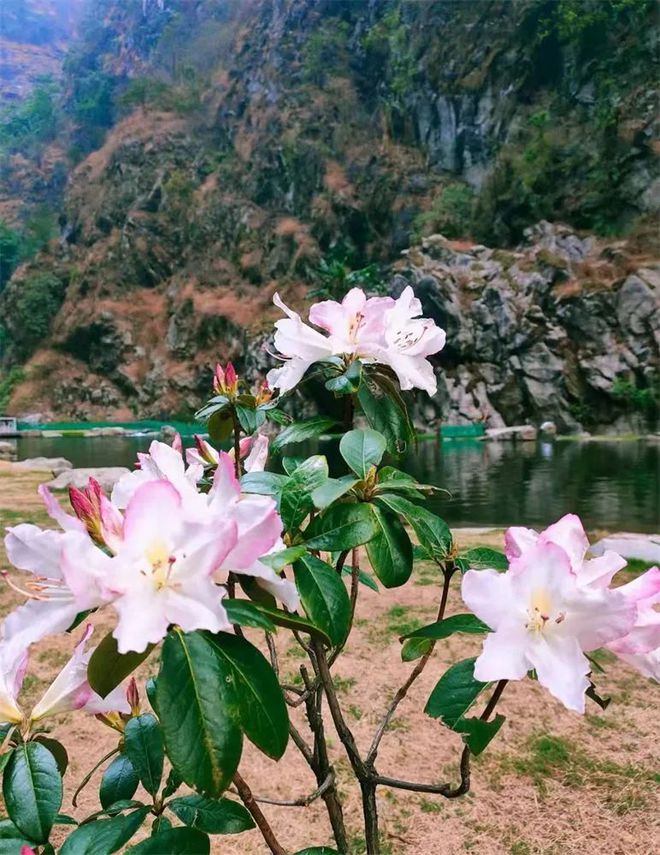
column 30, row 306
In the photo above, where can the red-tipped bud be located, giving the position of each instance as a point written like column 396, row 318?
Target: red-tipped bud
column 218, row 379
column 27, row 850
column 231, row 378
column 82, row 507
column 133, row 697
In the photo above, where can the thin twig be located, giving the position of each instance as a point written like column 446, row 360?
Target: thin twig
column 257, row 815
column 404, row 689
column 301, row 745
column 304, row 801
column 88, row 776
column 272, row 651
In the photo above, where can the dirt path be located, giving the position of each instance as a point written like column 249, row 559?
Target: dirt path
column 552, row 783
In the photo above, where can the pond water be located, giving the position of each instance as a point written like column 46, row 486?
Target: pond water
column 611, row 484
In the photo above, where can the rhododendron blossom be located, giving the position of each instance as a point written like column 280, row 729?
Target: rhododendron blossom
column 374, row 330
column 70, row 690
column 640, row 647
column 253, row 452
column 543, row 619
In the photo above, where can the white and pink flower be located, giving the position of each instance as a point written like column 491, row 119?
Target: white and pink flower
column 69, row 691
column 374, row 330
column 542, row 619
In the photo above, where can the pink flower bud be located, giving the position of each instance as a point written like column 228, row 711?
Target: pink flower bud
column 218, row 379
column 133, row 697
column 264, row 394
column 177, row 444
column 231, row 378
column 26, row 850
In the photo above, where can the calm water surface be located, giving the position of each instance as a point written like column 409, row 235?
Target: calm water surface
column 613, row 485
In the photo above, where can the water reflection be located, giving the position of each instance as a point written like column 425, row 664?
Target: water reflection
column 614, row 485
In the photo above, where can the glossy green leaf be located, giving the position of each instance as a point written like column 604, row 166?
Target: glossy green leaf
column 32, row 790
column 386, row 412
column 65, row 819
column 477, row 734
column 294, row 621
column 58, row 751
column 333, row 489
column 341, row 527
column 454, row 693
column 143, row 744
column 390, row 551
column 104, row 836
column 262, row 708
column 362, row 449
column 302, row 431
column 119, row 781
column 296, row 499
column 174, row 841
column 263, row 483
column 108, row 667
column 245, row 613
column 483, row 557
column 324, row 596
column 415, row 648
column 291, row 462
column 221, row 816
column 160, row 824
column 444, row 628
column 199, row 712
column 433, row 532
column 12, row 838
column 279, row 560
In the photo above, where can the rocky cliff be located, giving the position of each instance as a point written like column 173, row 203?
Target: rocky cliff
column 236, row 145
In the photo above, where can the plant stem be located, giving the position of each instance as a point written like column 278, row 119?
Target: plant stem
column 257, row 815
column 237, row 442
column 404, row 689
column 349, row 412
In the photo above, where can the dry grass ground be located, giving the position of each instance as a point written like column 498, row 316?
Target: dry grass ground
column 552, row 783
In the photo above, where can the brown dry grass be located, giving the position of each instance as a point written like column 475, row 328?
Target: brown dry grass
column 552, row 783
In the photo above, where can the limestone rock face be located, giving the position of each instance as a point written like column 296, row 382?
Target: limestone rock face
column 528, row 338
column 107, row 476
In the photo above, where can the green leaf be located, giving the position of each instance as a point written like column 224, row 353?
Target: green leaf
column 245, row 613
column 485, row 557
column 293, row 621
column 143, row 744
column 57, row 750
column 119, row 781
column 11, row 838
column 362, row 449
column 279, row 560
column 291, row 462
column 262, row 708
column 296, row 500
column 263, row 483
column 302, row 431
column 220, row 426
column 317, row 850
column 324, row 597
column 160, row 824
column 174, row 841
column 249, row 418
column 104, row 836
column 444, row 628
column 454, row 693
column 214, row 817
column 364, row 577
column 386, row 413
column 477, row 734
column 108, row 667
column 390, row 551
column 341, row 527
column 415, row 648
column 32, row 790
column 433, row 532
column 65, row 819
column 277, row 416
column 333, row 489
column 199, row 713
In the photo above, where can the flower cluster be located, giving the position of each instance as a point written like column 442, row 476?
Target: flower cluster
column 159, row 552
column 554, row 604
column 374, row 330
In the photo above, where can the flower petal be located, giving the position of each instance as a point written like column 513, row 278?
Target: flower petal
column 561, row 668
column 151, row 510
column 568, row 533
column 503, row 656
